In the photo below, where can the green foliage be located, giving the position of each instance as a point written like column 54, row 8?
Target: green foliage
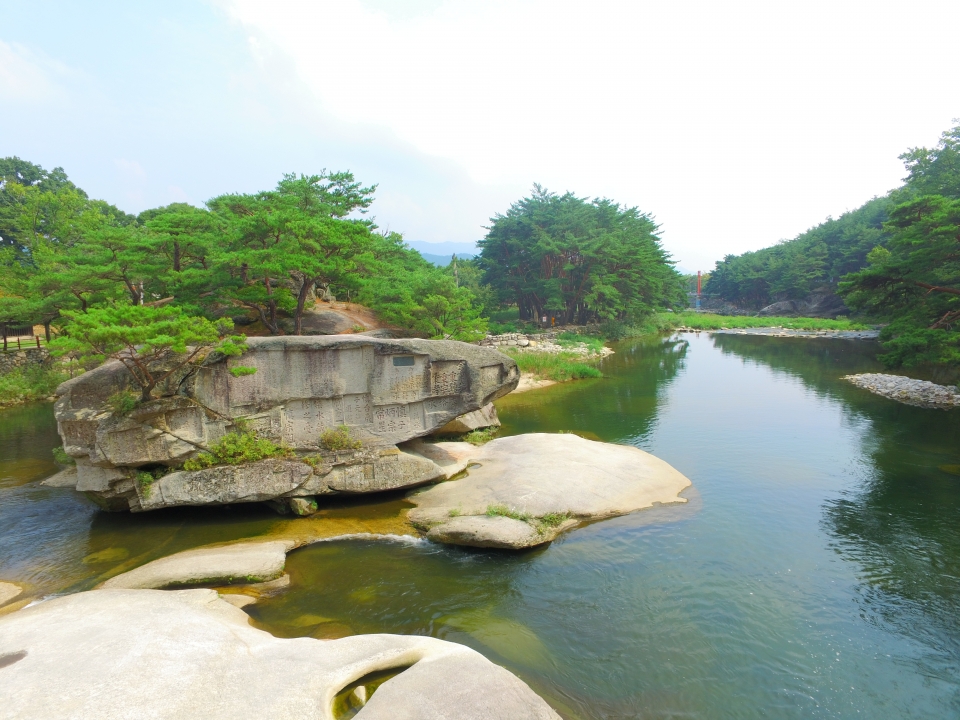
column 914, row 282
column 29, row 383
column 123, row 401
column 410, row 292
column 481, row 436
column 552, row 520
column 572, row 339
column 236, row 448
column 709, row 321
column 284, row 244
column 242, row 371
column 152, row 342
column 504, row 511
column 339, row 438
column 61, row 458
column 561, row 367
column 578, row 260
column 793, row 269
column 824, row 255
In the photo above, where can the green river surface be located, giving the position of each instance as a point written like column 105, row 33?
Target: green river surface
column 815, row 571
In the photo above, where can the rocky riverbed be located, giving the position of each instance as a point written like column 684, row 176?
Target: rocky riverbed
column 908, row 390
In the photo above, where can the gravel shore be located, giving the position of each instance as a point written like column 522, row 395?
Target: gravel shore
column 907, row 390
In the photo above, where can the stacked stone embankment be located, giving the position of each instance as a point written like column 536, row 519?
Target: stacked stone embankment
column 540, row 342
column 910, row 391
column 13, row 358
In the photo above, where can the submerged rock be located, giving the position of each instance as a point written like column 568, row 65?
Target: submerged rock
column 9, row 591
column 385, row 391
column 542, row 481
column 189, row 654
column 249, row 562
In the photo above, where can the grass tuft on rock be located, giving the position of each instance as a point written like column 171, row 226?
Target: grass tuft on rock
column 339, row 438
column 504, row 511
column 60, row 457
column 481, row 436
column 237, row 448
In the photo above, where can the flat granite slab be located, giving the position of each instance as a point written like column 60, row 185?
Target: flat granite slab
column 545, row 481
column 245, row 562
column 187, row 654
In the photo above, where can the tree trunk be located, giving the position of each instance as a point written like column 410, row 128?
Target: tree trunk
column 305, row 287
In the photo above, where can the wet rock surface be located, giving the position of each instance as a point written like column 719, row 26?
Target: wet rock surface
column 384, row 391
column 908, row 390
column 8, row 592
column 249, row 562
column 544, row 481
column 189, row 654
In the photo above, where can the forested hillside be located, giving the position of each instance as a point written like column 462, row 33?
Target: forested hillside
column 895, row 259
column 794, row 268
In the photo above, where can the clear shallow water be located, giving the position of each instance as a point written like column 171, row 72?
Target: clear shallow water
column 815, row 573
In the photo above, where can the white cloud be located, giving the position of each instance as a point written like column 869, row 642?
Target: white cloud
column 736, row 123
column 23, row 76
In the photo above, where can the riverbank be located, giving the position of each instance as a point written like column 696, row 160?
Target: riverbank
column 29, row 383
column 710, row 321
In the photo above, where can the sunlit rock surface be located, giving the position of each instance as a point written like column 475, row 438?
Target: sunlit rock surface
column 188, row 654
column 247, row 562
column 545, row 481
column 385, row 391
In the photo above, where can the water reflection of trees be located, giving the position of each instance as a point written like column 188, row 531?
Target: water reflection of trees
column 621, row 405
column 899, row 524
column 818, row 362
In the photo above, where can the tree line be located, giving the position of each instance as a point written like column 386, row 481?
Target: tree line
column 262, row 256
column 896, row 259
column 578, row 260
column 262, row 259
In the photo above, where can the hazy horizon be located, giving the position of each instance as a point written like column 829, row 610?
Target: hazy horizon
column 734, row 124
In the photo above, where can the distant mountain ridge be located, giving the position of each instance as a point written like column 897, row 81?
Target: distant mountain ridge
column 442, row 252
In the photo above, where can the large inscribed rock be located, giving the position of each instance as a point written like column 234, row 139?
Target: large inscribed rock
column 385, row 391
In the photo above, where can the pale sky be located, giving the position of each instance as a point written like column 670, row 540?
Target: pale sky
column 736, row 124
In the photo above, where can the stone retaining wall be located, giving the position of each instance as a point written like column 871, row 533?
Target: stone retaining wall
column 13, row 359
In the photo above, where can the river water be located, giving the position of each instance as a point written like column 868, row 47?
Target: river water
column 814, row 573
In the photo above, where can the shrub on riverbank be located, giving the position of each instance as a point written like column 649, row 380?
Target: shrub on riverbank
column 560, row 366
column 26, row 384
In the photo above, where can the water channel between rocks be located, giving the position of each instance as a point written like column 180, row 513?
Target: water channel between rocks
column 815, row 573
